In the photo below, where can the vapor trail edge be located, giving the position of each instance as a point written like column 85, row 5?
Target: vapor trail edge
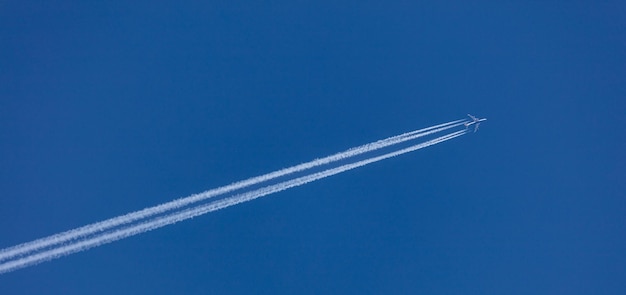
column 94, row 228
column 203, row 209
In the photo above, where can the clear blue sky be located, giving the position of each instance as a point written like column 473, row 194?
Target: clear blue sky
column 108, row 107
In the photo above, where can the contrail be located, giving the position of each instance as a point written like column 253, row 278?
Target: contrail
column 203, row 209
column 81, row 232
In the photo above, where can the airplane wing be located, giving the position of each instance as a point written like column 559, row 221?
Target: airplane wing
column 476, row 128
column 473, row 118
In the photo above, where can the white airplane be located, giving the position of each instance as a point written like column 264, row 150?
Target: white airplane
column 475, row 121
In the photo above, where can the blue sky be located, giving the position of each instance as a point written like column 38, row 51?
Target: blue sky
column 106, row 108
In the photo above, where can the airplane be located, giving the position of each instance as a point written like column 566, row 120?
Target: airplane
column 474, row 121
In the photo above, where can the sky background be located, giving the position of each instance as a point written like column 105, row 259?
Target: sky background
column 107, row 107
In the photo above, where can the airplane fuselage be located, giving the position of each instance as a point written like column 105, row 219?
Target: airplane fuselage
column 475, row 121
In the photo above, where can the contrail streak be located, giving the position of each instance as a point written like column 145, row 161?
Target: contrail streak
column 82, row 232
column 203, row 209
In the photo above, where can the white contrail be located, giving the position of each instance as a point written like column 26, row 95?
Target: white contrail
column 202, row 209
column 81, row 232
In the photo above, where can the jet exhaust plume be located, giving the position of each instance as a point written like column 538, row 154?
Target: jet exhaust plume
column 81, row 232
column 104, row 232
